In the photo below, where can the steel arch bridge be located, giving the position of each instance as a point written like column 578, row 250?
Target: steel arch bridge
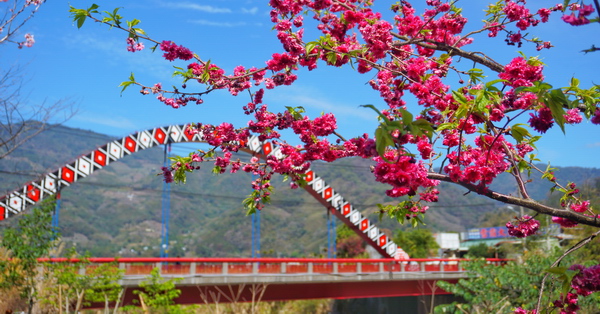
column 86, row 165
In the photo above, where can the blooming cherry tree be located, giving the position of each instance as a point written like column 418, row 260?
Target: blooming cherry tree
column 467, row 134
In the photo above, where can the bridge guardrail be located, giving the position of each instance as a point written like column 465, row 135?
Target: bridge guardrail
column 190, row 267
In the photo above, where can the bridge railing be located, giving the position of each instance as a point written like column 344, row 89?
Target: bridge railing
column 270, row 266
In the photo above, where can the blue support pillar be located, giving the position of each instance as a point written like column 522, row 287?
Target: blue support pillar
column 56, row 216
column 166, row 209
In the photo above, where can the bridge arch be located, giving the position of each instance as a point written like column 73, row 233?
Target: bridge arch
column 33, row 192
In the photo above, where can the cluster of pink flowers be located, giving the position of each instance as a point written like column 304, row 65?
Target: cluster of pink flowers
column 223, row 135
column 584, row 283
column 33, row 2
column 580, row 206
column 481, row 164
column 267, row 123
column 596, row 118
column 167, row 175
column 583, row 11
column 519, row 72
column 134, row 46
column 564, row 222
column 542, row 120
column 516, row 12
column 29, row 41
column 567, row 304
column 216, row 75
column 308, row 130
column 174, row 51
column 525, row 226
column 405, row 174
column 178, row 101
column 587, row 281
column 573, row 117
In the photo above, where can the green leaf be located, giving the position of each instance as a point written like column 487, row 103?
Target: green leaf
column 445, row 126
column 310, row 46
column 132, row 23
column 383, row 139
column 383, row 117
column 425, row 127
column 127, row 83
column 407, row 117
column 296, row 112
column 519, row 132
column 459, row 97
column 491, row 83
column 555, row 100
column 574, row 82
column 331, row 58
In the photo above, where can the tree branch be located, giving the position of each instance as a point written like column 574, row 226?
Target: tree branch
column 528, row 203
column 477, row 57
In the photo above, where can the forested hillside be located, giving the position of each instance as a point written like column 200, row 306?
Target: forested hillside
column 117, row 211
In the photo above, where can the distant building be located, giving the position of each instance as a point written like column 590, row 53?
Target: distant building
column 457, row 245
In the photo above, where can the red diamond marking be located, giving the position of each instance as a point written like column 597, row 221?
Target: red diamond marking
column 309, row 176
column 100, row 158
column 130, row 144
column 68, row 175
column 364, row 225
column 382, row 240
column 267, row 148
column 50, row 183
column 327, row 193
column 159, row 136
column 346, row 209
column 33, row 193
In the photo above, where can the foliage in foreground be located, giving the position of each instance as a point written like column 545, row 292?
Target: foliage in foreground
column 493, row 289
column 68, row 288
column 32, row 238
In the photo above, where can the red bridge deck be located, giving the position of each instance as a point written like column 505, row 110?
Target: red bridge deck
column 209, row 280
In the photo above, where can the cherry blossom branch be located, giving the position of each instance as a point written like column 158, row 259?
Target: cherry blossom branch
column 528, row 203
column 478, row 57
column 512, row 159
column 7, row 24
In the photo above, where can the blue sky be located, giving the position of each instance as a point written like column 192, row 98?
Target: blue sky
column 88, row 64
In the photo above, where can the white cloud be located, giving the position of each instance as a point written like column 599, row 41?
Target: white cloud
column 217, row 24
column 116, row 54
column 194, row 6
column 252, row 10
column 107, row 121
